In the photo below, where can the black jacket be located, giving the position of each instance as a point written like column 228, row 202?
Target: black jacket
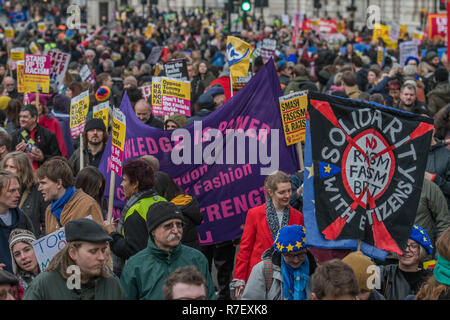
column 19, row 220
column 34, row 207
column 192, row 218
column 153, row 122
column 44, row 139
column 394, row 285
column 438, row 162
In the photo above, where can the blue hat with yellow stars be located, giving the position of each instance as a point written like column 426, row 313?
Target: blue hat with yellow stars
column 290, row 239
column 420, row 235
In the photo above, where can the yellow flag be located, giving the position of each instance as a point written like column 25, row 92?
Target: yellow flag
column 238, row 56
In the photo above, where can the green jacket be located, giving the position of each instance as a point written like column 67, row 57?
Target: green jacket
column 432, row 212
column 438, row 97
column 294, row 84
column 50, row 285
column 144, row 273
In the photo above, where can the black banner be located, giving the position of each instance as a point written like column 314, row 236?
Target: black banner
column 369, row 163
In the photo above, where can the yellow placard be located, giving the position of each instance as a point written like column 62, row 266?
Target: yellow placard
column 149, row 30
column 20, row 76
column 9, row 33
column 293, row 116
column 176, row 88
column 37, row 73
column 42, row 27
column 119, row 129
column 79, row 107
column 156, row 91
column 17, row 54
column 101, row 111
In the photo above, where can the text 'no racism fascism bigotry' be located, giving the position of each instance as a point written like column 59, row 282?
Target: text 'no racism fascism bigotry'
column 369, row 163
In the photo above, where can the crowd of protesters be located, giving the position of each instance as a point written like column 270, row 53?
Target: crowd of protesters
column 153, row 251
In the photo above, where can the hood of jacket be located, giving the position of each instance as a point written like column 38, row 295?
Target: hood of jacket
column 189, row 207
column 442, row 90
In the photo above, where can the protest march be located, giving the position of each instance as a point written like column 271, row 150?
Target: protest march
column 169, row 155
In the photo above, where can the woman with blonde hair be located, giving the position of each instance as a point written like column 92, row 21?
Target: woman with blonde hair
column 31, row 200
column 262, row 225
column 437, row 287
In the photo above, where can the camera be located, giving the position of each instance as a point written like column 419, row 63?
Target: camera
column 29, row 147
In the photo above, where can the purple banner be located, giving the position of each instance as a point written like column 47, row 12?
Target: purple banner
column 222, row 160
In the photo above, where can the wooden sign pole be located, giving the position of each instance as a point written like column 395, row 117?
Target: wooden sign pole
column 112, row 183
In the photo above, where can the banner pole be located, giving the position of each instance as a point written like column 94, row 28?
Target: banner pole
column 81, row 152
column 112, row 183
column 448, row 34
column 359, row 245
column 300, row 155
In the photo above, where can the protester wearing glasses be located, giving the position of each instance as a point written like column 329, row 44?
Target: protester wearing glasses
column 405, row 278
column 285, row 270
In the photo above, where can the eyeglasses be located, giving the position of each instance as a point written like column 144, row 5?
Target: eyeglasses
column 412, row 247
column 298, row 255
column 169, row 226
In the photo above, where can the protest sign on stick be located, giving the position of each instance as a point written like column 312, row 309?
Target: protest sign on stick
column 79, row 107
column 175, row 97
column 117, row 148
column 101, row 111
column 47, row 247
column 293, row 116
column 60, row 63
column 37, row 71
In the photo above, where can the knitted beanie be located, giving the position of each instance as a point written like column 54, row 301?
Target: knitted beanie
column 16, row 236
column 179, row 119
column 161, row 212
column 360, row 264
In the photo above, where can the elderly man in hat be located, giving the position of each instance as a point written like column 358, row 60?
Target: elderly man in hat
column 94, row 137
column 144, row 274
column 79, row 270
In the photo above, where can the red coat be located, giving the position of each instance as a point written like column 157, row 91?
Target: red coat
column 257, row 238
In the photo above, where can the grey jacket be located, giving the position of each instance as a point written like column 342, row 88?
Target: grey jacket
column 255, row 288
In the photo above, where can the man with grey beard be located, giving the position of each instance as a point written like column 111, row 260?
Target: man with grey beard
column 144, row 273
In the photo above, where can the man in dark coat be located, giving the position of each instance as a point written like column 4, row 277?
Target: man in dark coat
column 438, row 167
column 39, row 142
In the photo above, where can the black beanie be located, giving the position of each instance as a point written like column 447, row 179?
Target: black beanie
column 441, row 75
column 95, row 123
column 161, row 212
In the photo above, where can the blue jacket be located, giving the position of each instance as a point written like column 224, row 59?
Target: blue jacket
column 19, row 220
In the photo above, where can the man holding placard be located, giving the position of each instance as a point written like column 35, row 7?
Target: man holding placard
column 39, row 143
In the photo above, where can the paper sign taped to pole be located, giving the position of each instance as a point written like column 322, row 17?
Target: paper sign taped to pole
column 118, row 141
column 293, row 116
column 79, row 107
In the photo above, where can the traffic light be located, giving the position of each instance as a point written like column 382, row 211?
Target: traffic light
column 317, row 4
column 246, row 6
column 442, row 5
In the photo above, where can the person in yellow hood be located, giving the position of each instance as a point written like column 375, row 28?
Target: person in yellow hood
column 190, row 208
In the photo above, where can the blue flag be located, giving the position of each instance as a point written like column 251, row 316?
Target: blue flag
column 18, row 16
